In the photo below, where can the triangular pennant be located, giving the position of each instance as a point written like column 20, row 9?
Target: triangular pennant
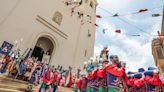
column 98, row 16
column 115, row 15
column 118, row 31
column 96, row 25
column 156, row 15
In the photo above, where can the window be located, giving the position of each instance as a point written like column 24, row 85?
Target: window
column 91, row 4
column 85, row 53
column 89, row 34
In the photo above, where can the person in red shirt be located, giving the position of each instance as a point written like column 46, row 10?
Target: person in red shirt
column 46, row 80
column 153, row 80
column 83, row 83
column 115, row 73
column 55, row 81
column 69, row 78
column 89, row 80
column 78, row 83
column 101, row 75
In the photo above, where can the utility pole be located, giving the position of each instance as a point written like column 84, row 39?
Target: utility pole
column 162, row 30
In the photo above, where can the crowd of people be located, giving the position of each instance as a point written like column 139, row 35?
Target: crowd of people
column 111, row 76
column 35, row 72
column 108, row 75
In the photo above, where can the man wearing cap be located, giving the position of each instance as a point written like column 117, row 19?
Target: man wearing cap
column 154, row 82
column 89, row 80
column 115, row 73
column 94, row 85
column 139, row 82
column 130, row 82
column 101, row 75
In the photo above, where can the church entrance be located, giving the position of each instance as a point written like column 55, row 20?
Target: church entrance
column 43, row 49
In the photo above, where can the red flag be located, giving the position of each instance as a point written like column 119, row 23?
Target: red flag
column 98, row 16
column 118, row 31
column 161, row 36
column 143, row 10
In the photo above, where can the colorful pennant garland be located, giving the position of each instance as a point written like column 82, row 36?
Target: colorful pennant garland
column 137, row 12
column 118, row 31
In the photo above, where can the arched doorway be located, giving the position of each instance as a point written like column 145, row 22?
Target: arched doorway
column 43, row 49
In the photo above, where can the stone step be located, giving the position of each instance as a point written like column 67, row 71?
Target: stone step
column 9, row 90
column 12, row 85
column 5, row 78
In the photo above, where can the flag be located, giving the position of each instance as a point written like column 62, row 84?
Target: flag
column 81, row 1
column 115, row 15
column 156, row 15
column 69, row 79
column 136, row 35
column 28, row 54
column 98, row 16
column 118, row 31
column 143, row 10
column 104, row 31
column 161, row 36
column 96, row 25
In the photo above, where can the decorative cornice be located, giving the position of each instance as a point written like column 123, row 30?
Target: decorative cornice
column 52, row 27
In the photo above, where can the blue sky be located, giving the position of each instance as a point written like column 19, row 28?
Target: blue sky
column 135, row 51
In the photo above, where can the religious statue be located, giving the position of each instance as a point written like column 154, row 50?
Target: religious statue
column 104, row 53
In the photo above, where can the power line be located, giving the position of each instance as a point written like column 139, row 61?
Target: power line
column 140, row 29
column 133, row 13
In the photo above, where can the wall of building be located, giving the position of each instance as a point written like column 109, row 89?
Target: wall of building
column 158, row 50
column 31, row 19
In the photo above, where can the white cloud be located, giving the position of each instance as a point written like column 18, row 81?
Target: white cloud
column 136, row 51
column 131, row 50
column 115, row 4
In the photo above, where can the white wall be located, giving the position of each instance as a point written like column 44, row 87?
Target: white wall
column 18, row 20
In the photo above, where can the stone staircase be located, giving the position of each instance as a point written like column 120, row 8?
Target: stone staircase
column 12, row 85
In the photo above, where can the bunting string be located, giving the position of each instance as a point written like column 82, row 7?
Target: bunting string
column 135, row 26
column 86, row 18
column 136, row 12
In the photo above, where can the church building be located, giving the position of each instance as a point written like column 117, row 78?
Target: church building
column 59, row 32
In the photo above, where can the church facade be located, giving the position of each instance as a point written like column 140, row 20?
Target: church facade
column 59, row 32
